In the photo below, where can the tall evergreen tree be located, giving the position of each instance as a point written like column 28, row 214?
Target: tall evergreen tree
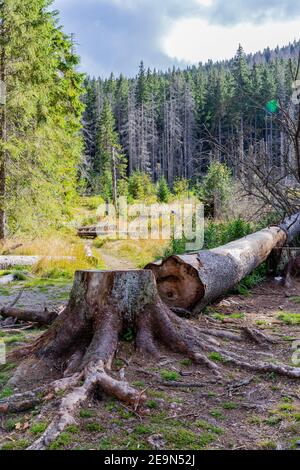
column 40, row 144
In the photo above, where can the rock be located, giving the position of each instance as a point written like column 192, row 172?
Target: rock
column 156, row 441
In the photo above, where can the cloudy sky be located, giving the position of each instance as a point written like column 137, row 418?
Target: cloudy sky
column 115, row 35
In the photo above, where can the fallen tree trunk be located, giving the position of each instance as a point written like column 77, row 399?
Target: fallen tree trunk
column 9, row 261
column 192, row 281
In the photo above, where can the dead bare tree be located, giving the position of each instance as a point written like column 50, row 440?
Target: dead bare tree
column 272, row 178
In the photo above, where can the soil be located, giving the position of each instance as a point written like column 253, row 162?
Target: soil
column 246, row 411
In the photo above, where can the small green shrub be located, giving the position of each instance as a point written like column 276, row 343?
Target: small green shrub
column 163, row 191
column 291, row 319
column 21, row 444
column 38, row 428
column 230, row 405
column 169, row 375
column 94, row 427
column 86, row 413
column 215, row 356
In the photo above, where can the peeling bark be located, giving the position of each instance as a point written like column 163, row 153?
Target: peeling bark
column 192, row 281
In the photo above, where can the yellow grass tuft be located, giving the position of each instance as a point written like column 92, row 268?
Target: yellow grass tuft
column 61, row 255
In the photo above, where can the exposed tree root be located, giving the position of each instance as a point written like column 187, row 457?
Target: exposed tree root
column 75, row 355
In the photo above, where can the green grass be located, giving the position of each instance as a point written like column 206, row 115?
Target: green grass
column 6, row 371
column 86, row 413
column 38, row 428
column 139, row 384
column 288, row 338
column 255, row 420
column 6, row 393
column 142, row 429
column 184, row 439
column 94, row 427
column 169, row 375
column 235, row 316
column 73, row 429
column 287, row 407
column 152, row 404
column 13, row 339
column 4, row 292
column 267, row 445
column 258, row 276
column 230, row 405
column 290, row 319
column 10, row 424
column 296, row 416
column 261, row 322
column 106, row 443
column 44, row 283
column 21, row 444
column 186, row 362
column 274, row 420
column 296, row 299
column 216, row 413
column 217, row 357
column 202, row 424
column 63, row 441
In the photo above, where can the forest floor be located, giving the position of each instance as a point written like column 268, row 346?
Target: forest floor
column 246, row 411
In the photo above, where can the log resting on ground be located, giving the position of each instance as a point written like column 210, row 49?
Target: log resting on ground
column 42, row 317
column 192, row 281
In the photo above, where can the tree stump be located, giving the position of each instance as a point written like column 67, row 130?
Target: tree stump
column 75, row 355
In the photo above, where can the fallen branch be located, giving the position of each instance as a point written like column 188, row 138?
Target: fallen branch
column 45, row 317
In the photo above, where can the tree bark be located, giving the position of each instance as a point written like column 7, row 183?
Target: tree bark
column 192, row 281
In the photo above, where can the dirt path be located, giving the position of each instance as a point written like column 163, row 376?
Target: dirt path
column 114, row 263
column 48, row 295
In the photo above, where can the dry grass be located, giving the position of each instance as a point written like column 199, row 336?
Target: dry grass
column 62, row 255
column 140, row 252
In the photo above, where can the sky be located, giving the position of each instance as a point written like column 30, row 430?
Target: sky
column 115, row 35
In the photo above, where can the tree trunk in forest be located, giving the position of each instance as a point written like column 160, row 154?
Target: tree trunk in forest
column 114, row 178
column 3, row 137
column 192, row 281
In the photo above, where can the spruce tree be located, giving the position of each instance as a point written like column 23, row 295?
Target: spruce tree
column 40, row 143
column 163, row 191
column 111, row 161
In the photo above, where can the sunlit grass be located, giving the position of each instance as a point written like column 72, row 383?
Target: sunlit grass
column 61, row 255
column 289, row 318
column 139, row 252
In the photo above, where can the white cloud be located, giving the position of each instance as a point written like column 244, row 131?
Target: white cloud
column 205, row 3
column 195, row 40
